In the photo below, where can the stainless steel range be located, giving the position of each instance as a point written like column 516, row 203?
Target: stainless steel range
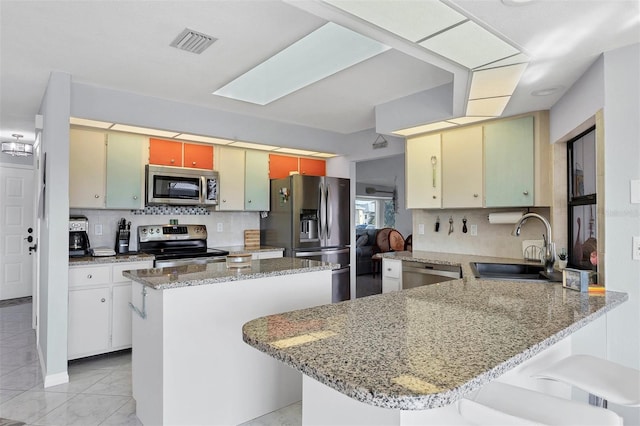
column 175, row 245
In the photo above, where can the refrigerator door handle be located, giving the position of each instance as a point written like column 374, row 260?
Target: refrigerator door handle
column 329, row 212
column 321, row 252
column 322, row 216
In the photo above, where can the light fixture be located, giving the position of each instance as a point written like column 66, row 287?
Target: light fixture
column 144, row 131
column 380, row 142
column 17, row 148
column 322, row 53
column 424, row 128
column 295, row 151
column 546, row 92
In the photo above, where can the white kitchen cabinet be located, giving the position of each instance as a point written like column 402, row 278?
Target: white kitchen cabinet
column 87, row 167
column 99, row 313
column 125, row 171
column 509, row 163
column 424, row 172
column 462, row 168
column 230, row 166
column 256, row 183
column 88, row 321
column 391, row 275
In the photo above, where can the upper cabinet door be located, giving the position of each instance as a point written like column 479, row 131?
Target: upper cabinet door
column 165, row 153
column 256, row 184
column 424, row 172
column 462, row 168
column 198, row 156
column 125, row 171
column 281, row 165
column 313, row 167
column 87, row 164
column 509, row 162
column 231, row 169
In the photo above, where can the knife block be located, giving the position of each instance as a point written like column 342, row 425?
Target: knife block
column 122, row 241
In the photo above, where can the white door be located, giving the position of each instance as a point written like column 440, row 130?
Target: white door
column 16, row 226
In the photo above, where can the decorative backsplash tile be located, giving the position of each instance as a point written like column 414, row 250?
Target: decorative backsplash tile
column 172, row 210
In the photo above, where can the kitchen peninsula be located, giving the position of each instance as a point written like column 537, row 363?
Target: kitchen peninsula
column 190, row 365
column 407, row 356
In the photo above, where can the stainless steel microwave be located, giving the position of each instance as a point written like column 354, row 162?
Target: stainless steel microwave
column 181, row 186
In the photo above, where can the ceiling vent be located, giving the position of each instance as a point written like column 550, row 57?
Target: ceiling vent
column 192, row 41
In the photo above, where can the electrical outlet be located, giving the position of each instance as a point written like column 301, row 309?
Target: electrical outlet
column 421, row 228
column 474, row 230
column 636, row 248
column 220, row 227
column 97, row 229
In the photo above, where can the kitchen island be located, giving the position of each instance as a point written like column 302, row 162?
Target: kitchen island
column 406, row 357
column 189, row 363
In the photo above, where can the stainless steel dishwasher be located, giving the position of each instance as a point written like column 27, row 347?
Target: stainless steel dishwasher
column 415, row 274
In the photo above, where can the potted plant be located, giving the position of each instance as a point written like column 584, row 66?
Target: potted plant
column 562, row 259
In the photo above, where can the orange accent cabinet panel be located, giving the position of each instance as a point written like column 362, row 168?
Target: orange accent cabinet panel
column 281, row 165
column 313, row 167
column 165, row 153
column 198, row 156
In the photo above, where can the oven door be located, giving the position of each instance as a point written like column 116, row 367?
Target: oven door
column 168, row 263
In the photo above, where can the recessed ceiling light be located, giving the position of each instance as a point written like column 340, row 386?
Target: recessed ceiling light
column 469, row 45
column 491, row 107
column 144, row 131
column 324, row 52
column 206, row 139
column 546, row 92
column 89, row 123
column 423, row 128
column 411, row 20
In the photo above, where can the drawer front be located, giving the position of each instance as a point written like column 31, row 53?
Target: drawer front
column 129, row 266
column 80, row 276
column 391, row 268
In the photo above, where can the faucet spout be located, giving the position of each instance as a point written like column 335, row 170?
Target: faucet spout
column 549, row 246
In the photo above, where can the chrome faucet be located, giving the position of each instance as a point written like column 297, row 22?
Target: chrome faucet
column 548, row 247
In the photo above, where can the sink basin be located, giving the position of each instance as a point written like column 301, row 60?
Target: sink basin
column 510, row 271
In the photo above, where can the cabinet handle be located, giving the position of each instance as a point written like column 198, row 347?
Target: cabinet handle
column 173, row 161
column 135, row 197
column 525, row 192
column 193, row 163
column 103, row 300
column 249, row 201
column 475, row 195
column 89, row 276
column 224, row 201
column 434, row 197
column 96, row 196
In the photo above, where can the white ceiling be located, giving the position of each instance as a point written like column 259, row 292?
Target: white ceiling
column 125, row 45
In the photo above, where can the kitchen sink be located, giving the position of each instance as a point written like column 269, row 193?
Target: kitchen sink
column 513, row 272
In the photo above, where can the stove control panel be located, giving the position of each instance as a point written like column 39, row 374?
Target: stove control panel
column 148, row 233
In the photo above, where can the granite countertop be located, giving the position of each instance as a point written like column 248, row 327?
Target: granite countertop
column 243, row 249
column 119, row 258
column 212, row 273
column 428, row 346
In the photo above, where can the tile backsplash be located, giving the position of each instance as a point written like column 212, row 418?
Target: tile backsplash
column 492, row 240
column 233, row 225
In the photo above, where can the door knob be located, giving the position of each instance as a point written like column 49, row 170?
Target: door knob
column 29, row 239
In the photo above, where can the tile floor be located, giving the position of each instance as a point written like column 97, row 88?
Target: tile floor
column 99, row 388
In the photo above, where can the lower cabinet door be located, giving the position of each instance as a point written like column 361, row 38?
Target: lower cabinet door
column 121, row 325
column 89, row 318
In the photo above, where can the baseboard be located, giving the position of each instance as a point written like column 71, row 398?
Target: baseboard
column 51, row 379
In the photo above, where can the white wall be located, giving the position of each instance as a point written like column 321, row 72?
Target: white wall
column 612, row 84
column 54, row 233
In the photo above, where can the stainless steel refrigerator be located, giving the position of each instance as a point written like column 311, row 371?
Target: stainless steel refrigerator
column 309, row 217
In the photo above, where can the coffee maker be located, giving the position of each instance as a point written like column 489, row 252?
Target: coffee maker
column 78, row 237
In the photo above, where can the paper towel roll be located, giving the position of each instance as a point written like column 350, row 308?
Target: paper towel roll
column 506, row 217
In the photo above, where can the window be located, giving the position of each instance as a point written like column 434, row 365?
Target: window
column 582, row 207
column 375, row 212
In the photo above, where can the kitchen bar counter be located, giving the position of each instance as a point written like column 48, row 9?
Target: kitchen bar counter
column 120, row 258
column 426, row 347
column 243, row 249
column 212, row 273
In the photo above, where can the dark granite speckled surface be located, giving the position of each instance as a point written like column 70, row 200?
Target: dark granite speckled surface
column 429, row 346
